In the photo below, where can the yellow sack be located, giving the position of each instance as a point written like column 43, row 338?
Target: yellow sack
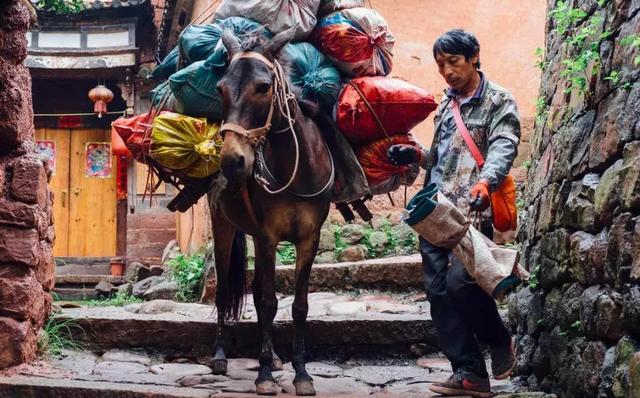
column 186, row 143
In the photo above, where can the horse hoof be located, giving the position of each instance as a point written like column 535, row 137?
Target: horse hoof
column 266, row 387
column 276, row 365
column 219, row 366
column 304, row 388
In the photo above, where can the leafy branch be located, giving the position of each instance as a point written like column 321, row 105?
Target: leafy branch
column 61, row 6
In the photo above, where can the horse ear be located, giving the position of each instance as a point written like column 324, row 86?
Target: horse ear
column 279, row 41
column 230, row 42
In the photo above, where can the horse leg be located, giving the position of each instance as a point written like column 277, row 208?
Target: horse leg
column 256, row 288
column 226, row 245
column 305, row 254
column 266, row 307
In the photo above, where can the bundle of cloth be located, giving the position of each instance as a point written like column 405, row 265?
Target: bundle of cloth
column 495, row 269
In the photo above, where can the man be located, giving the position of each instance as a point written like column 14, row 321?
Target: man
column 463, row 314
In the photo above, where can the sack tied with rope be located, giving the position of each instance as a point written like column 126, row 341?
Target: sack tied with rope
column 329, row 6
column 495, row 269
column 372, row 108
column 357, row 40
column 188, row 144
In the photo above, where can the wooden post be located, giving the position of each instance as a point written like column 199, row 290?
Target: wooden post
column 122, row 207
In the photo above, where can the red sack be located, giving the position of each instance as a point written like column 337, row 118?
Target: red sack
column 382, row 175
column 136, row 134
column 400, row 106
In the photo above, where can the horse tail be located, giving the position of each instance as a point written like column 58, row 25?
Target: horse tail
column 236, row 279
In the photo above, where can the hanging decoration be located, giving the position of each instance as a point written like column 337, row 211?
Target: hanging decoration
column 47, row 151
column 101, row 95
column 121, row 178
column 97, row 161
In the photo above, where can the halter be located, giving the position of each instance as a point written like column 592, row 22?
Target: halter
column 281, row 93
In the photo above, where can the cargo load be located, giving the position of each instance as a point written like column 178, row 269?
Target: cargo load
column 329, row 6
column 382, row 175
column 357, row 40
column 276, row 15
column 314, row 74
column 185, row 143
column 370, row 108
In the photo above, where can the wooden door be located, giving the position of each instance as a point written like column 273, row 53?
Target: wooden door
column 59, row 140
column 84, row 206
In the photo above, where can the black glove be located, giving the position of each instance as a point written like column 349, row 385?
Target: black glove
column 401, row 154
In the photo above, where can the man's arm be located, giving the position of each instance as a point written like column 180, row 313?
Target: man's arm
column 504, row 137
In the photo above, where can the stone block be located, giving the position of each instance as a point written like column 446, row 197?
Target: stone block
column 18, row 214
column 46, row 270
column 352, row 253
column 21, row 296
column 562, row 307
column 16, row 109
column 29, row 182
column 14, row 16
column 17, row 342
column 588, row 258
column 578, row 211
column 601, row 314
column 630, row 174
column 631, row 309
column 621, row 246
column 607, row 195
column 13, row 46
column 19, row 246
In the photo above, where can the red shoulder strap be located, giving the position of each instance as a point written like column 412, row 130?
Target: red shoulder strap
column 475, row 151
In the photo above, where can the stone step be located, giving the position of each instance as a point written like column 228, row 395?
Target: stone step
column 76, row 293
column 80, row 279
column 84, row 269
column 395, row 274
column 191, row 329
column 40, row 387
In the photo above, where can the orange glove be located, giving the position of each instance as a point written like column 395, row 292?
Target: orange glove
column 479, row 199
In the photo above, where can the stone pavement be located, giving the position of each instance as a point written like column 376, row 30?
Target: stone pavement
column 119, row 373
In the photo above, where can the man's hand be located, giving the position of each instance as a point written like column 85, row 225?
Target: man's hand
column 402, row 154
column 479, row 199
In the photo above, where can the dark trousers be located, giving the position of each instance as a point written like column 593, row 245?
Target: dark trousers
column 463, row 314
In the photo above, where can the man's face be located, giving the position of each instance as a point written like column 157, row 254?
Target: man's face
column 456, row 70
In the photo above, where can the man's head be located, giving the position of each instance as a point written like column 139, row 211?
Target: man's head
column 457, row 54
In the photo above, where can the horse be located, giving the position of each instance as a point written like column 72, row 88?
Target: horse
column 279, row 175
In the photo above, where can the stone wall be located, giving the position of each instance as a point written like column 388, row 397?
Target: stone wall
column 26, row 224
column 578, row 323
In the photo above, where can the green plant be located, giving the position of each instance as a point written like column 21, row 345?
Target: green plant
column 55, row 336
column 187, row 272
column 61, row 6
column 542, row 109
column 340, row 244
column 540, row 64
column 577, row 325
column 526, row 164
column 59, row 262
column 119, row 300
column 55, row 296
column 534, row 277
column 565, row 16
column 633, row 41
column 286, row 253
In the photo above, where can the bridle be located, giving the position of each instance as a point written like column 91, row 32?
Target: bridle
column 281, row 96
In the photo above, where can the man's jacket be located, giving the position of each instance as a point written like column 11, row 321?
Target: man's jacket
column 491, row 116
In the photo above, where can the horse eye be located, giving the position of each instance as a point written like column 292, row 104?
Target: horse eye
column 262, row 88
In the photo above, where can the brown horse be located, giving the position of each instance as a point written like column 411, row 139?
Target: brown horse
column 279, row 176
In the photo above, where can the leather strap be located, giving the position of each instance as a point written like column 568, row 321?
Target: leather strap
column 475, row 151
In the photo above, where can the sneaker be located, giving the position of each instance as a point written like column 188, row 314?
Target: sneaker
column 503, row 360
column 464, row 383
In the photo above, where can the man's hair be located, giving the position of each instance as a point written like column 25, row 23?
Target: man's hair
column 458, row 42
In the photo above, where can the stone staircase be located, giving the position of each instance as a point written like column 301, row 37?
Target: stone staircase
column 77, row 277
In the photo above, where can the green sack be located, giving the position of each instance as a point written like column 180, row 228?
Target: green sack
column 194, row 88
column 188, row 144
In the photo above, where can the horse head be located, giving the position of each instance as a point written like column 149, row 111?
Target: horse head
column 248, row 89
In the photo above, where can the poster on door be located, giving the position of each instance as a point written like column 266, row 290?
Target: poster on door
column 47, row 151
column 97, row 161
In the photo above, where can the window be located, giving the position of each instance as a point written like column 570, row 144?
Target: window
column 59, row 39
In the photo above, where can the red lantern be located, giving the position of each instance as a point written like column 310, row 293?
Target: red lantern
column 101, row 96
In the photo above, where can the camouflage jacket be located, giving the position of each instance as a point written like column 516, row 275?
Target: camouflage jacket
column 491, row 116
